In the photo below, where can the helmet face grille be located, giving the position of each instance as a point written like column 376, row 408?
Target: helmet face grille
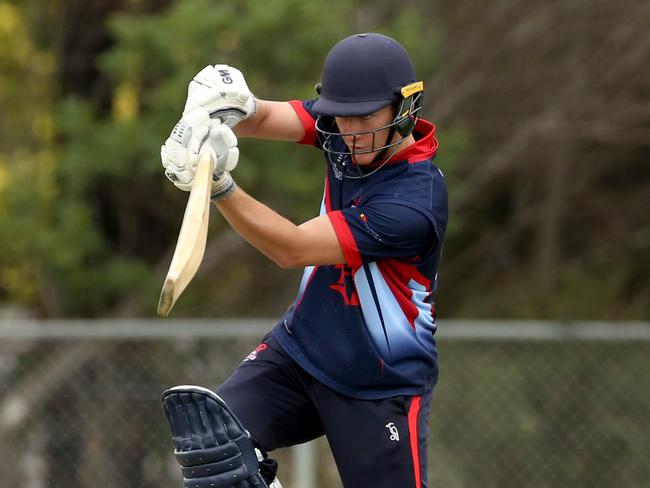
column 404, row 123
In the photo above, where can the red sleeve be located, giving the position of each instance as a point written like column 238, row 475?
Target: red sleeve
column 346, row 239
column 308, row 122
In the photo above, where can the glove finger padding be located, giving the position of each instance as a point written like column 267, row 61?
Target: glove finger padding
column 175, row 160
column 211, row 445
column 179, row 153
column 224, row 144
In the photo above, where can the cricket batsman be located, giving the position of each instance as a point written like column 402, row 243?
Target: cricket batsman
column 354, row 358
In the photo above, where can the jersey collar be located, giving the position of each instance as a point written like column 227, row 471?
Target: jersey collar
column 425, row 147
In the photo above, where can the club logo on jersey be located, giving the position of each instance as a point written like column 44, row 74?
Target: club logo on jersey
column 253, row 355
column 336, row 167
column 345, row 286
column 394, row 435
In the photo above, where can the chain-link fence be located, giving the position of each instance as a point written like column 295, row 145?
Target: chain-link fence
column 525, row 404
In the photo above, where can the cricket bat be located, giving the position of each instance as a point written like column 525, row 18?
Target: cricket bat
column 192, row 236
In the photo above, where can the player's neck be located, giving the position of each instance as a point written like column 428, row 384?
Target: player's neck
column 402, row 145
column 407, row 142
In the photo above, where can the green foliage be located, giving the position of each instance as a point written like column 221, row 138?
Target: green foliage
column 89, row 220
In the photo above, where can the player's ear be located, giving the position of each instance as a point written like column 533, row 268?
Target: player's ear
column 317, row 87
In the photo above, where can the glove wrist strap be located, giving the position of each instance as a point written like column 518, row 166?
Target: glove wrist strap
column 222, row 194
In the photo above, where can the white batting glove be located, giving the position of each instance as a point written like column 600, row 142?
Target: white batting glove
column 180, row 153
column 222, row 91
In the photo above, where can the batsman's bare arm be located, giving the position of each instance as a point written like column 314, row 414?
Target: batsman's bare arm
column 273, row 121
column 288, row 245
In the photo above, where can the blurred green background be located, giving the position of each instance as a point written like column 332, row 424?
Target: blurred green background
column 543, row 114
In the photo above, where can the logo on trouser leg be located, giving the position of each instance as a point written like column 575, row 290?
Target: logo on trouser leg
column 394, row 435
column 253, row 355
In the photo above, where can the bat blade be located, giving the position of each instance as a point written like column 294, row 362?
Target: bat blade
column 192, row 237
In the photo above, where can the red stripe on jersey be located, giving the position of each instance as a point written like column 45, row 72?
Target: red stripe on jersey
column 414, row 410
column 308, row 123
column 397, row 276
column 346, row 239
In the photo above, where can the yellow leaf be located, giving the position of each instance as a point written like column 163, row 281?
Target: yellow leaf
column 8, row 18
column 125, row 102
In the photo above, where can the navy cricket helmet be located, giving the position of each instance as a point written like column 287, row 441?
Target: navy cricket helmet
column 362, row 74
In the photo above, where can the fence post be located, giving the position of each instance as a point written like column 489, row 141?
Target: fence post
column 304, row 465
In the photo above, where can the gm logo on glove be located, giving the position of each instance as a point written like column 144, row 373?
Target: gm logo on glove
column 225, row 76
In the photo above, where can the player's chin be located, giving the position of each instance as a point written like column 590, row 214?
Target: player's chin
column 363, row 158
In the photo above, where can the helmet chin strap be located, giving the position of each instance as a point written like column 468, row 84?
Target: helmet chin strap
column 399, row 108
column 389, row 138
column 376, row 159
column 379, row 156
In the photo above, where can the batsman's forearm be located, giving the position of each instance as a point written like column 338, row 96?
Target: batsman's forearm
column 275, row 236
column 272, row 121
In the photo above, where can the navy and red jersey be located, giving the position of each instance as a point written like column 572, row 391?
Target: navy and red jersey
column 366, row 328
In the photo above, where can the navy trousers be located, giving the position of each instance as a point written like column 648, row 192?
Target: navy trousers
column 375, row 443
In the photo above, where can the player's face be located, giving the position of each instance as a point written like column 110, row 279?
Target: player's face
column 364, row 142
